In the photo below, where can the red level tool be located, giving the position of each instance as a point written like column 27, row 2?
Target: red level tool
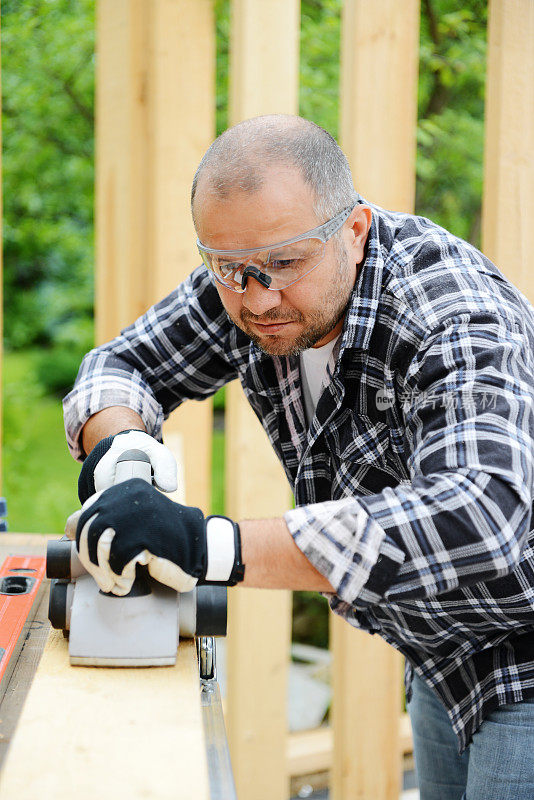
column 20, row 583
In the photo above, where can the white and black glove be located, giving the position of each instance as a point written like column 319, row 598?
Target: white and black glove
column 132, row 523
column 98, row 470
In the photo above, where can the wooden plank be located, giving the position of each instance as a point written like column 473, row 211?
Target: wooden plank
column 406, row 738
column 12, row 544
column 181, row 126
column 378, row 134
column 91, row 731
column 108, row 733
column 378, row 98
column 264, row 58
column 259, row 630
column 309, row 751
column 155, row 118
column 508, row 203
column 312, row 751
column 181, row 114
column 121, row 165
column 366, row 685
column 259, row 621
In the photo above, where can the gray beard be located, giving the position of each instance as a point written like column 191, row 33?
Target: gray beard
column 309, row 337
column 320, row 322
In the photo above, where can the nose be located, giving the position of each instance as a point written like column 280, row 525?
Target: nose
column 258, row 299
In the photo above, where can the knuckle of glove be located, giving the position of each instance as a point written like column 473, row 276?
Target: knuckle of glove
column 125, row 508
column 143, row 519
column 188, row 546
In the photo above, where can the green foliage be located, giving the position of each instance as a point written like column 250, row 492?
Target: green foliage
column 319, row 62
column 451, row 114
column 39, row 475
column 56, row 369
column 217, row 472
column 48, row 87
column 310, row 619
column 450, row 131
column 222, row 32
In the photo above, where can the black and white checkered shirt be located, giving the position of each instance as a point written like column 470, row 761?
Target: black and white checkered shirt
column 414, row 481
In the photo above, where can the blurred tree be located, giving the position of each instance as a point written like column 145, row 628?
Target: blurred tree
column 48, row 87
column 222, row 32
column 451, row 114
column 47, row 108
column 450, row 133
column 319, row 62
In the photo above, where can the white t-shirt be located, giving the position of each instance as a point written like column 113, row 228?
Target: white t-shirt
column 313, row 364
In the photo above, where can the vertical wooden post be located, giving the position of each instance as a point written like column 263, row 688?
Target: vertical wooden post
column 508, row 204
column 264, row 58
column 378, row 98
column 379, row 67
column 263, row 79
column 155, row 118
column 181, row 128
column 121, row 280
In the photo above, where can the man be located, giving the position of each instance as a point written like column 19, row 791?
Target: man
column 391, row 366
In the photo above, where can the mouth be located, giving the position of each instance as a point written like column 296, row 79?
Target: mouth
column 271, row 328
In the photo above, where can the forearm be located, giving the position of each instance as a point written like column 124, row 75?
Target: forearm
column 107, row 422
column 273, row 560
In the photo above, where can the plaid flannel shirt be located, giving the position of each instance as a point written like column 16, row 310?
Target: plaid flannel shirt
column 414, row 480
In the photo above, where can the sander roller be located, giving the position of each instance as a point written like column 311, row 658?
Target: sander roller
column 142, row 628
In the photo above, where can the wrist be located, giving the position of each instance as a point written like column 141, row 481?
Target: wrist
column 108, row 422
column 223, row 547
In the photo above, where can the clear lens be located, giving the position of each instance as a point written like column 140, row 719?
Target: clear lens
column 284, row 265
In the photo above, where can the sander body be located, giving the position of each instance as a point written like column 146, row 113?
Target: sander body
column 140, row 629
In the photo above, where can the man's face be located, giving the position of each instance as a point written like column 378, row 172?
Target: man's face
column 310, row 312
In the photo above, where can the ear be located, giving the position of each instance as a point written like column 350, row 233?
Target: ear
column 358, row 225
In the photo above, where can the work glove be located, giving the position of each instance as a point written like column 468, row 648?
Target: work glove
column 98, row 470
column 132, row 523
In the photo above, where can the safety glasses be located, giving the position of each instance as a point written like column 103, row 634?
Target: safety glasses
column 275, row 266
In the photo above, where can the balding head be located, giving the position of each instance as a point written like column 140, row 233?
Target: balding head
column 238, row 160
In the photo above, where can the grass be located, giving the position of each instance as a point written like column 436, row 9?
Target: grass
column 39, row 475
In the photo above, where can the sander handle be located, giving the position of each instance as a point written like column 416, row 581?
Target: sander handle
column 62, row 559
column 133, row 464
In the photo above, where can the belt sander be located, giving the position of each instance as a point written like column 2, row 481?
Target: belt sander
column 139, row 630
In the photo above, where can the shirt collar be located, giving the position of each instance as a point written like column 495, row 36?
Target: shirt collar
column 362, row 310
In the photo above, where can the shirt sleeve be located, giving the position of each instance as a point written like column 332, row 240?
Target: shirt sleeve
column 178, row 350
column 464, row 515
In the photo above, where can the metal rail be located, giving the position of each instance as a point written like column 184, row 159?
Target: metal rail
column 221, row 778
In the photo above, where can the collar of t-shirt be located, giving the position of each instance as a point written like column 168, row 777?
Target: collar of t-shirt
column 313, row 373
